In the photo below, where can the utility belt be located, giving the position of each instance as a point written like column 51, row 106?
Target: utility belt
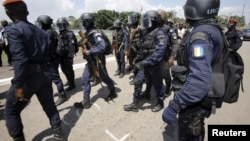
column 36, row 68
column 179, row 74
column 192, row 120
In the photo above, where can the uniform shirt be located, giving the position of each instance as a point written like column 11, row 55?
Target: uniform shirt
column 200, row 53
column 97, row 43
column 159, row 53
column 173, row 41
column 124, row 38
column 53, row 36
column 28, row 45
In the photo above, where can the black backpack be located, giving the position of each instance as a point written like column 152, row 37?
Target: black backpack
column 227, row 78
column 108, row 48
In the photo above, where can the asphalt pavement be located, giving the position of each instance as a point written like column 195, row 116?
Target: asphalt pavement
column 108, row 121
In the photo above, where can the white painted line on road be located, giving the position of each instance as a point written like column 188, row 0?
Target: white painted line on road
column 6, row 81
column 113, row 137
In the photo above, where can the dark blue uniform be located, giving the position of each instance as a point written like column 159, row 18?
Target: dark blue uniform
column 121, row 39
column 55, row 60
column 69, row 40
column 203, row 46
column 153, row 61
column 96, row 56
column 29, row 46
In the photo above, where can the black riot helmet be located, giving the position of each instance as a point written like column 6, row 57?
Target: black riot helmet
column 117, row 23
column 44, row 21
column 151, row 19
column 87, row 20
column 201, row 9
column 62, row 24
column 133, row 19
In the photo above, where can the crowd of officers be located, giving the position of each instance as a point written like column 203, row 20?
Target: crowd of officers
column 145, row 47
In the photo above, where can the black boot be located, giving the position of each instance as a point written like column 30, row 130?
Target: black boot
column 121, row 75
column 62, row 98
column 58, row 134
column 21, row 138
column 111, row 96
column 133, row 106
column 84, row 104
column 159, row 105
column 129, row 68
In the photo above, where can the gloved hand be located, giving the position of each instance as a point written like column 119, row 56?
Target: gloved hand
column 139, row 66
column 170, row 113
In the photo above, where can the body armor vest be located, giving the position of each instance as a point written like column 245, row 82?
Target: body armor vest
column 135, row 40
column 118, row 36
column 147, row 45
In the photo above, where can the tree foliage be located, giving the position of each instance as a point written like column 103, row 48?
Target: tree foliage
column 104, row 19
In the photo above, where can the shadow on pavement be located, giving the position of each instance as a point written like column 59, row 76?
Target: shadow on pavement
column 70, row 119
column 68, row 122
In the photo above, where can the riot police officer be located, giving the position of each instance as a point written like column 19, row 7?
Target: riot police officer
column 134, row 38
column 201, row 46
column 32, row 73
column 150, row 61
column 170, row 55
column 93, row 51
column 70, row 48
column 120, row 41
column 45, row 21
column 233, row 35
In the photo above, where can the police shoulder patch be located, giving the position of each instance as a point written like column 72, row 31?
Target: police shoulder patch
column 198, row 51
column 198, row 36
column 98, row 37
column 161, row 39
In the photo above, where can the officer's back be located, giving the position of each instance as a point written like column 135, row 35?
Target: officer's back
column 33, row 38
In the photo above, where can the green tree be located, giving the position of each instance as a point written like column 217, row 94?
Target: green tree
column 104, row 19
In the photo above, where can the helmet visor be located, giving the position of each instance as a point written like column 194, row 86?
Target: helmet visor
column 147, row 22
column 129, row 20
column 117, row 24
column 62, row 26
column 85, row 24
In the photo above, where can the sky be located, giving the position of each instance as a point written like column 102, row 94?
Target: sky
column 65, row 8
